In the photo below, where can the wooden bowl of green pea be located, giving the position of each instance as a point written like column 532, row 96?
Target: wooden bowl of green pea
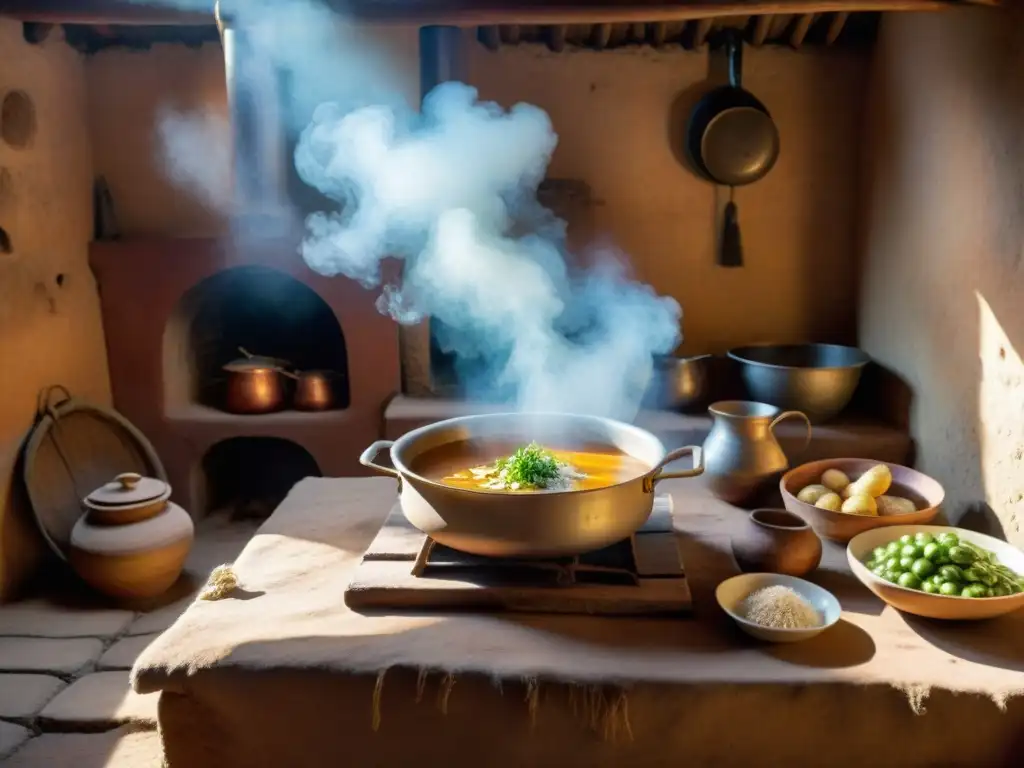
column 938, row 571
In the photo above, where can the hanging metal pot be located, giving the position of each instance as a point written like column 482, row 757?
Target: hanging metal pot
column 732, row 140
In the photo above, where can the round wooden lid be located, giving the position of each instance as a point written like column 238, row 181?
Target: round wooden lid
column 129, row 489
column 74, row 448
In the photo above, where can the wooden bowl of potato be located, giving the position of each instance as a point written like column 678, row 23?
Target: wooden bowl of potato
column 841, row 498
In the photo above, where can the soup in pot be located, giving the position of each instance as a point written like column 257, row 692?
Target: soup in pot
column 526, row 468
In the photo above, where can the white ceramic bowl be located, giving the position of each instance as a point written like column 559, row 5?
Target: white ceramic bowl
column 732, row 592
column 922, row 603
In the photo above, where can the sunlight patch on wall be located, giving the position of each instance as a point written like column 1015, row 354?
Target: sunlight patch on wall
column 1001, row 420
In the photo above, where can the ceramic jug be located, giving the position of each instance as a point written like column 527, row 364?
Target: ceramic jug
column 741, row 454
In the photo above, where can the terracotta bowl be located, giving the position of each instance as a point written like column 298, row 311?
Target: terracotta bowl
column 935, row 606
column 776, row 541
column 925, row 492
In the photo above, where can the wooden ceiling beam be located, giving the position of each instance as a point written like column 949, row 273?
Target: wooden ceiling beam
column 470, row 13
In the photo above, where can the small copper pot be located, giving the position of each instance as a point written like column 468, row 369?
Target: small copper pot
column 314, row 390
column 254, row 385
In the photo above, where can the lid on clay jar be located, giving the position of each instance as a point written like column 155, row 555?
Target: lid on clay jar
column 128, row 490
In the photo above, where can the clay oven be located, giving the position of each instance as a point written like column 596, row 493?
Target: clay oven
column 177, row 310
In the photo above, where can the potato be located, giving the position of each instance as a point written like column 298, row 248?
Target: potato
column 834, row 479
column 811, row 493
column 860, row 504
column 848, row 491
column 829, row 501
column 874, row 482
column 895, row 505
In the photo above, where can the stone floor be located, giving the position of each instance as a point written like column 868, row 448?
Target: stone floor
column 65, row 659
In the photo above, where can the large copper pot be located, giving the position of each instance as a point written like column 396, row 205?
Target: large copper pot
column 254, row 385
column 542, row 524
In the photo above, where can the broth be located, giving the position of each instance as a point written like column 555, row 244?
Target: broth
column 451, row 464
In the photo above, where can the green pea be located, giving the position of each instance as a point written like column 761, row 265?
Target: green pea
column 879, row 571
column 943, row 559
column 879, row 553
column 949, row 588
column 937, row 579
column 893, row 548
column 974, row 590
column 933, row 551
column 906, row 539
column 1000, row 591
column 909, row 580
column 930, row 588
column 906, row 563
column 922, row 567
column 911, row 550
column 892, row 564
column 961, row 555
column 892, row 576
column 951, row 573
column 949, row 539
column 923, row 538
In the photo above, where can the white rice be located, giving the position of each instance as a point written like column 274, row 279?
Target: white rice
column 780, row 607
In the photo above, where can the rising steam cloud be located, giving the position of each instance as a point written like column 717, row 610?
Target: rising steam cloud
column 451, row 190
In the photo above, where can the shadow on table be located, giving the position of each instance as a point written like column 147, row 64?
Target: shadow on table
column 844, row 645
column 994, row 642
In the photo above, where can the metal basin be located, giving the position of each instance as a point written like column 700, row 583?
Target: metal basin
column 681, row 383
column 537, row 524
column 818, row 379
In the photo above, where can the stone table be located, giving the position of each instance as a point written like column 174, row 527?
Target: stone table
column 283, row 673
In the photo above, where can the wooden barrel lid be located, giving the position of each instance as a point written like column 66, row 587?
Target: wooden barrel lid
column 73, row 449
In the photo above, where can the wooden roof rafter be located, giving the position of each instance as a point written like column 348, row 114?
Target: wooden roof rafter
column 473, row 13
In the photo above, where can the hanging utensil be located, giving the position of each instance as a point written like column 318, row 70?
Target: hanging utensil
column 732, row 140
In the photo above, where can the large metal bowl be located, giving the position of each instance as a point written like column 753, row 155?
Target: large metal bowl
column 818, row 379
column 536, row 524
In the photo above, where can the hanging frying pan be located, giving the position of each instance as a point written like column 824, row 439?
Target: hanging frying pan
column 732, row 140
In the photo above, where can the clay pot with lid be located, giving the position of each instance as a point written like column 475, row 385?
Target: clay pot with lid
column 132, row 541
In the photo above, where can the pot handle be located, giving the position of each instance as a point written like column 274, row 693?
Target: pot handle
column 368, row 456
column 687, row 450
column 786, row 415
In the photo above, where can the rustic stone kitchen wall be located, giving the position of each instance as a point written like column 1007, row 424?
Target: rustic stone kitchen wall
column 943, row 279
column 98, row 115
column 50, row 330
column 612, row 112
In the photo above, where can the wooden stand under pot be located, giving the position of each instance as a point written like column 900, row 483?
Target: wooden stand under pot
column 132, row 541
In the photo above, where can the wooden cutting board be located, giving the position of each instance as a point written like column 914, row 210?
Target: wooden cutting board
column 403, row 570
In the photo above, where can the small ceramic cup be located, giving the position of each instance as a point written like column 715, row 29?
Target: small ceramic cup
column 777, row 541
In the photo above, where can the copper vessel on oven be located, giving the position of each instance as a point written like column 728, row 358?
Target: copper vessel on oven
column 254, row 385
column 314, row 390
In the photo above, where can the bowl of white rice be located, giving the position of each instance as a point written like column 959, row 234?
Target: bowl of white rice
column 778, row 608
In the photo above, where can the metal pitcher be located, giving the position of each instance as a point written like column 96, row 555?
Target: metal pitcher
column 741, row 454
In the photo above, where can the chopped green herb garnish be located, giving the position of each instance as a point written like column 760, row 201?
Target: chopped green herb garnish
column 529, row 467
